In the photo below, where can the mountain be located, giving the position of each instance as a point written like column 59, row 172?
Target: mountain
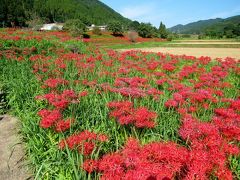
column 202, row 26
column 89, row 11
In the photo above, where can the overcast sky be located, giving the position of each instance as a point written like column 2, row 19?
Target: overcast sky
column 173, row 12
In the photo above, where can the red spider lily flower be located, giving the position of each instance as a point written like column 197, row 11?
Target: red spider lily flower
column 49, row 118
column 171, row 103
column 236, row 104
column 144, row 118
column 168, row 67
column 155, row 160
column 127, row 91
column 161, row 81
column 63, row 125
column 209, row 150
column 53, row 83
column 125, row 113
column 83, row 141
column 90, row 165
column 102, row 138
column 86, row 148
column 83, row 93
column 60, row 101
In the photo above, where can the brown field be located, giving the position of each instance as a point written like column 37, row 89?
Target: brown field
column 211, row 52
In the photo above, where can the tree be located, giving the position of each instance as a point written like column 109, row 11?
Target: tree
column 116, row 28
column 146, row 30
column 134, row 25
column 75, row 27
column 163, row 31
column 236, row 30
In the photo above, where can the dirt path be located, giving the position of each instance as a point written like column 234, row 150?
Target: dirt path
column 12, row 166
column 211, row 52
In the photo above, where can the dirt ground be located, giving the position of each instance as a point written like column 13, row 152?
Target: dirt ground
column 211, row 52
column 12, row 164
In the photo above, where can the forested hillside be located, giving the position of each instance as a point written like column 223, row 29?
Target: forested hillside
column 229, row 27
column 195, row 27
column 213, row 27
column 89, row 11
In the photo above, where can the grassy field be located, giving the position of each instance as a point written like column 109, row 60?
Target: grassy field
column 203, row 44
column 89, row 112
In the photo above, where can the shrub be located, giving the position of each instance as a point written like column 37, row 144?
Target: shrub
column 86, row 36
column 116, row 28
column 201, row 36
column 97, row 31
column 170, row 37
column 145, row 30
column 75, row 27
column 132, row 36
column 238, row 38
column 134, row 25
column 185, row 35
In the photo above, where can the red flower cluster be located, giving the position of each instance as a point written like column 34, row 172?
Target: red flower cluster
column 53, row 118
column 228, row 120
column 60, row 101
column 127, row 91
column 209, row 150
column 131, row 82
column 55, row 82
column 83, row 141
column 49, row 118
column 63, row 125
column 152, row 161
column 125, row 113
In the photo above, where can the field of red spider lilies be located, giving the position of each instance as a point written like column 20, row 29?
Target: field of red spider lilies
column 102, row 114
column 106, row 39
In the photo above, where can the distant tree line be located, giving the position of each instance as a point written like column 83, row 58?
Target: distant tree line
column 76, row 14
column 146, row 30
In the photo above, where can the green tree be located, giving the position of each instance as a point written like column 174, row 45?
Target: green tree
column 12, row 12
column 163, row 31
column 146, row 30
column 134, row 25
column 75, row 27
column 236, row 30
column 116, row 28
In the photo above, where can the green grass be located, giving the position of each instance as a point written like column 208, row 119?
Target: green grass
column 171, row 44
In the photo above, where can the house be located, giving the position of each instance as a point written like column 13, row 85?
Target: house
column 102, row 28
column 52, row 26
